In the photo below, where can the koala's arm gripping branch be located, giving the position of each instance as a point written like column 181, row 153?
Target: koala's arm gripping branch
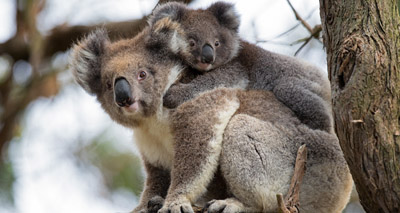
column 292, row 200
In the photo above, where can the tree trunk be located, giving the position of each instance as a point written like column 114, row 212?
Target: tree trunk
column 362, row 40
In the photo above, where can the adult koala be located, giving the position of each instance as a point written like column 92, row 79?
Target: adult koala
column 211, row 44
column 236, row 146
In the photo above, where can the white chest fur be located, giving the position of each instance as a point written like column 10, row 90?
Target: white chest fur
column 155, row 142
column 153, row 137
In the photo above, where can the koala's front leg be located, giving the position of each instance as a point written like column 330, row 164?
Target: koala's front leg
column 155, row 189
column 231, row 76
column 177, row 94
column 198, row 128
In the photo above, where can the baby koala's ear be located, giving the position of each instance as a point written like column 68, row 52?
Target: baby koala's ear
column 85, row 60
column 173, row 10
column 167, row 35
column 226, row 15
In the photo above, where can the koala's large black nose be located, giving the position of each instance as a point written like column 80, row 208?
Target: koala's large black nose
column 122, row 93
column 207, row 54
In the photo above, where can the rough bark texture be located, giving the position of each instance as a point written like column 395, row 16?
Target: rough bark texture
column 362, row 39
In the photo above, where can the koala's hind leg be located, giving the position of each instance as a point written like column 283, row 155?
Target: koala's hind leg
column 302, row 98
column 257, row 161
column 156, row 185
column 198, row 126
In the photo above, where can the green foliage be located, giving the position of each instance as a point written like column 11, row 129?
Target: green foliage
column 398, row 5
column 6, row 181
column 120, row 169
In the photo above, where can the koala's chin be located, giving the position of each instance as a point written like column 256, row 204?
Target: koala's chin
column 203, row 67
column 132, row 109
column 123, row 115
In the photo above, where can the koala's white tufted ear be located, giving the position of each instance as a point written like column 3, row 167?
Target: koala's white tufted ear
column 226, row 15
column 85, row 60
column 173, row 10
column 167, row 35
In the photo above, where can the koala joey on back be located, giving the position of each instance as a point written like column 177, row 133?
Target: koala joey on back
column 211, row 43
column 232, row 148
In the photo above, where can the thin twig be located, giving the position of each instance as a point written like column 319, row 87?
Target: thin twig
column 298, row 17
column 303, row 45
column 295, row 26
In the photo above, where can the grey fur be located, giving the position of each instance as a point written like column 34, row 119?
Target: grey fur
column 226, row 15
column 205, row 144
column 300, row 86
column 173, row 10
column 88, row 54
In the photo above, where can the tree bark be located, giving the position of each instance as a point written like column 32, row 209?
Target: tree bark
column 362, row 40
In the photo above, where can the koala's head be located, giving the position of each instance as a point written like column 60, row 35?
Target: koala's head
column 211, row 35
column 128, row 77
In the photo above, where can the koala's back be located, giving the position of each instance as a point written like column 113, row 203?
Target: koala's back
column 267, row 68
column 255, row 102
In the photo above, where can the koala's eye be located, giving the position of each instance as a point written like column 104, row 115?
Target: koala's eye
column 216, row 43
column 192, row 43
column 142, row 75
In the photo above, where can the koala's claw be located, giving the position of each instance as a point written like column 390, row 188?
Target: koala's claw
column 224, row 206
column 155, row 204
column 177, row 207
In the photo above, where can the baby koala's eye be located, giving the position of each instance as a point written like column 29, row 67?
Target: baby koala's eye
column 216, row 43
column 142, row 75
column 192, row 43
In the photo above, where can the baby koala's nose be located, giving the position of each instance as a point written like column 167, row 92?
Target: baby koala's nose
column 207, row 54
column 122, row 93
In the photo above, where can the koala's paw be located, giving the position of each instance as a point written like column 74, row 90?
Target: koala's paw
column 229, row 205
column 139, row 209
column 175, row 96
column 170, row 102
column 177, row 206
column 155, row 204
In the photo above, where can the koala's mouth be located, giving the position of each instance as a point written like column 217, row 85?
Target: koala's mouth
column 203, row 66
column 133, row 108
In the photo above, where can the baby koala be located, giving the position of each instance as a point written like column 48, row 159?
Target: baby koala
column 235, row 146
column 212, row 45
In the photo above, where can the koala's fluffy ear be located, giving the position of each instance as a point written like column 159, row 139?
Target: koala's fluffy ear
column 173, row 10
column 226, row 15
column 167, row 33
column 85, row 60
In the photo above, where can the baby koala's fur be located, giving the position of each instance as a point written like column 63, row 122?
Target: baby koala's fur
column 235, row 146
column 214, row 32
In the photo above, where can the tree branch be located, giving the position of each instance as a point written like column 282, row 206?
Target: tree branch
column 314, row 32
column 62, row 37
column 292, row 200
column 29, row 45
column 298, row 17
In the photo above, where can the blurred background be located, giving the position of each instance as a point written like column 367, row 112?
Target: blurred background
column 59, row 151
